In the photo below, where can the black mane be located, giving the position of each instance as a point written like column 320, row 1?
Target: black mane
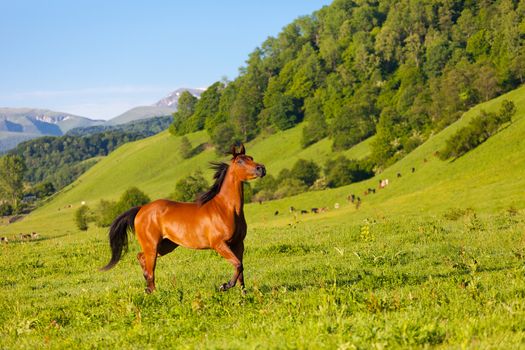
column 220, row 173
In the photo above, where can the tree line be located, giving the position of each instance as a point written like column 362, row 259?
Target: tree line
column 37, row 168
column 401, row 70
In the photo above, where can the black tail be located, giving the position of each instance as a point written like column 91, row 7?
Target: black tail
column 118, row 235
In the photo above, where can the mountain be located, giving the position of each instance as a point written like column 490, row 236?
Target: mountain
column 138, row 113
column 21, row 124
column 172, row 99
column 164, row 107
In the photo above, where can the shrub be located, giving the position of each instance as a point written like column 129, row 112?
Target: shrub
column 343, row 171
column 6, row 209
column 248, row 192
column 305, row 170
column 105, row 213
column 267, row 183
column 478, row 130
column 185, row 148
column 290, row 187
column 187, row 189
column 133, row 197
column 82, row 218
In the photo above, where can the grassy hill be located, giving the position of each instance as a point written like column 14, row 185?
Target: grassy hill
column 433, row 260
column 487, row 179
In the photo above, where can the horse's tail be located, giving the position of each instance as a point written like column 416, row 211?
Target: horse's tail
column 118, row 235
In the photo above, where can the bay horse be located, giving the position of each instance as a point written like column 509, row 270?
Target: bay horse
column 214, row 221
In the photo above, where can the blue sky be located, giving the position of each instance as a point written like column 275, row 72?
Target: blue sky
column 99, row 58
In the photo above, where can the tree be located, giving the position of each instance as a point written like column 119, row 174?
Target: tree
column 185, row 148
column 182, row 124
column 106, row 212
column 132, row 197
column 487, row 82
column 343, row 171
column 208, row 105
column 306, row 171
column 507, row 111
column 12, row 170
column 81, row 217
column 290, row 187
column 316, row 127
column 223, row 138
column 187, row 189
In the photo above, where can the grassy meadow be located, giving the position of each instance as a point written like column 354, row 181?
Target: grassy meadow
column 436, row 259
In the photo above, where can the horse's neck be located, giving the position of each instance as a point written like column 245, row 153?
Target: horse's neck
column 232, row 194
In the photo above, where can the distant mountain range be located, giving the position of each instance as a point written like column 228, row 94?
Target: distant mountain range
column 21, row 124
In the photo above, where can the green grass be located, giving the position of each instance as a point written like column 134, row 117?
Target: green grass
column 382, row 283
column 437, row 259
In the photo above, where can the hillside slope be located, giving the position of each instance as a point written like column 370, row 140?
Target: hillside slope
column 139, row 113
column 488, row 178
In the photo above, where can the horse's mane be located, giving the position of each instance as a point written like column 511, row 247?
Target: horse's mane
column 220, row 173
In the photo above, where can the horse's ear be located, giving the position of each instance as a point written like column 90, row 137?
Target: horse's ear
column 242, row 150
column 233, row 151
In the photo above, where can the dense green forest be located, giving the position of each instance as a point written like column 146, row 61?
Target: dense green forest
column 149, row 127
column 399, row 69
column 60, row 160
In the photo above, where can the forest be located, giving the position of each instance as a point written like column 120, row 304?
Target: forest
column 400, row 70
column 60, row 160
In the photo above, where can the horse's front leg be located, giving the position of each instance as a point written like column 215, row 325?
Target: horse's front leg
column 238, row 250
column 225, row 251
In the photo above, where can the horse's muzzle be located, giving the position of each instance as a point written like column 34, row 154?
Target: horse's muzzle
column 260, row 170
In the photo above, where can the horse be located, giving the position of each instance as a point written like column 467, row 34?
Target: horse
column 214, row 221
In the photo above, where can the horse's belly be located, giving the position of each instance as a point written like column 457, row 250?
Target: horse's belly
column 188, row 239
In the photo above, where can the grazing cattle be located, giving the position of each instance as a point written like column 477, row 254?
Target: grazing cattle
column 4, row 240
column 358, row 203
column 373, row 190
column 351, row 198
column 276, row 213
column 34, row 235
column 398, row 174
column 315, row 210
column 304, row 211
column 336, row 205
column 292, row 209
column 413, row 170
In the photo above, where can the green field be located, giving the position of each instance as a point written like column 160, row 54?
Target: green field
column 436, row 259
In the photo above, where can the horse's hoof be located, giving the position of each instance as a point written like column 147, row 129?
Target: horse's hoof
column 243, row 291
column 148, row 290
column 224, row 287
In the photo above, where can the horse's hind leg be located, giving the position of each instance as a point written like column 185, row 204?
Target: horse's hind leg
column 148, row 260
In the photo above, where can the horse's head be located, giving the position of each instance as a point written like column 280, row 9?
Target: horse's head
column 243, row 166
